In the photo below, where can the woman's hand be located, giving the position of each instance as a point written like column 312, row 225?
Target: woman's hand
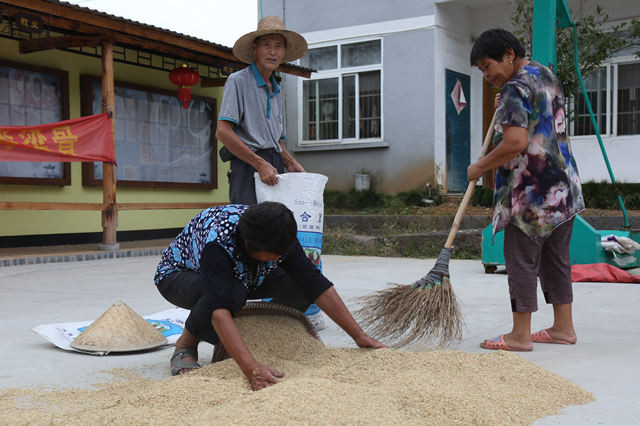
column 474, row 172
column 364, row 341
column 262, row 376
column 496, row 101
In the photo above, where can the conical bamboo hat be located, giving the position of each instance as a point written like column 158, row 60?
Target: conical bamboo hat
column 119, row 329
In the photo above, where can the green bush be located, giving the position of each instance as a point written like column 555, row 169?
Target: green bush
column 353, row 199
column 482, row 196
column 602, row 195
column 335, row 199
column 364, row 199
column 632, row 201
column 413, row 197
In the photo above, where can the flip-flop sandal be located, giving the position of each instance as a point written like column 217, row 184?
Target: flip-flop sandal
column 177, row 364
column 498, row 343
column 543, row 336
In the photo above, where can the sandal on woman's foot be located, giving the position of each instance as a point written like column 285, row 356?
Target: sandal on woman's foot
column 498, row 343
column 543, row 336
column 177, row 364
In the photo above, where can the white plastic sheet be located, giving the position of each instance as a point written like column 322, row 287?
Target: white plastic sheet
column 170, row 323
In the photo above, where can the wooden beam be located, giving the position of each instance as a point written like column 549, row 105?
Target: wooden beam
column 139, row 35
column 488, row 108
column 122, row 26
column 212, row 82
column 295, row 70
column 43, row 205
column 37, row 44
column 167, row 206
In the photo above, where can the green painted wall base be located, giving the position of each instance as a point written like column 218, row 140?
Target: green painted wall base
column 585, row 247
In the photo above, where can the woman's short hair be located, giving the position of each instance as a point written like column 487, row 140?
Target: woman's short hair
column 494, row 44
column 268, row 227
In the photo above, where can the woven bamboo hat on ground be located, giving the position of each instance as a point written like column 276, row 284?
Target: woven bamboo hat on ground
column 119, row 329
column 296, row 44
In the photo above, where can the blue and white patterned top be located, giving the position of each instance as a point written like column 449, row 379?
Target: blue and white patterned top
column 214, row 225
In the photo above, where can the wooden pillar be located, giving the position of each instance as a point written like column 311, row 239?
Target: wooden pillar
column 488, row 101
column 110, row 214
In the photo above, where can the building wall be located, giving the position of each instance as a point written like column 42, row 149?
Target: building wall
column 406, row 159
column 414, row 67
column 21, row 222
column 308, row 16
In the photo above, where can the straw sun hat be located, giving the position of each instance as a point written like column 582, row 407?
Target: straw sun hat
column 296, row 44
column 119, row 329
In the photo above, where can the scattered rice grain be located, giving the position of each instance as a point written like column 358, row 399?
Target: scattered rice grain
column 321, row 386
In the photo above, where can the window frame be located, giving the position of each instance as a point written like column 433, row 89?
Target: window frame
column 339, row 73
column 63, row 75
column 86, row 106
column 612, row 76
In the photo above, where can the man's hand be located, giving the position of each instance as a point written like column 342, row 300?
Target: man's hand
column 364, row 341
column 295, row 167
column 262, row 376
column 267, row 173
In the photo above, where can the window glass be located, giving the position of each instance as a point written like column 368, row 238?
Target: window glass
column 29, row 98
column 370, row 104
column 321, row 109
column 309, row 109
column 328, row 98
column 349, row 106
column 157, row 140
column 321, row 58
column 629, row 99
column 596, row 86
column 358, row 54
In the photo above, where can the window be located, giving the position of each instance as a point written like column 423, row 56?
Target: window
column 342, row 102
column 614, row 93
column 596, row 86
column 628, row 99
column 29, row 96
column 158, row 142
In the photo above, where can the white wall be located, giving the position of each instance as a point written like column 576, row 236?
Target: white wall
column 453, row 43
column 623, row 153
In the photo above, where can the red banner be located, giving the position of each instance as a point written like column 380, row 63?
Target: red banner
column 81, row 139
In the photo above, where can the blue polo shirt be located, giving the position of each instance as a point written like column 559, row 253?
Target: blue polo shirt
column 257, row 114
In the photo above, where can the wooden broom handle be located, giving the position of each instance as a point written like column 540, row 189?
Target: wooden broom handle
column 472, row 184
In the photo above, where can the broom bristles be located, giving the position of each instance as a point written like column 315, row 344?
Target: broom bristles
column 404, row 314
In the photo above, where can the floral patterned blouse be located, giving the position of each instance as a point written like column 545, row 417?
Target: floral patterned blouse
column 540, row 188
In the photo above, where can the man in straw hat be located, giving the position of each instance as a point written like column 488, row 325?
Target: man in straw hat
column 251, row 124
column 220, row 260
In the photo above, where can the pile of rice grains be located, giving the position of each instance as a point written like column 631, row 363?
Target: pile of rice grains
column 321, row 386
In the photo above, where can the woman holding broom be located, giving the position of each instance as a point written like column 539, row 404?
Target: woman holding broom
column 537, row 189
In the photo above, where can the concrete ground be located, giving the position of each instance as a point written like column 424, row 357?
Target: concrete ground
column 606, row 360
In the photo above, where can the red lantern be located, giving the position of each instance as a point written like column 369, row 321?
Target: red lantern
column 183, row 77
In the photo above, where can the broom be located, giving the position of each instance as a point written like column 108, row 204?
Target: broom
column 426, row 309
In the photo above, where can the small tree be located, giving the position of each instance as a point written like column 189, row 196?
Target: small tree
column 597, row 41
